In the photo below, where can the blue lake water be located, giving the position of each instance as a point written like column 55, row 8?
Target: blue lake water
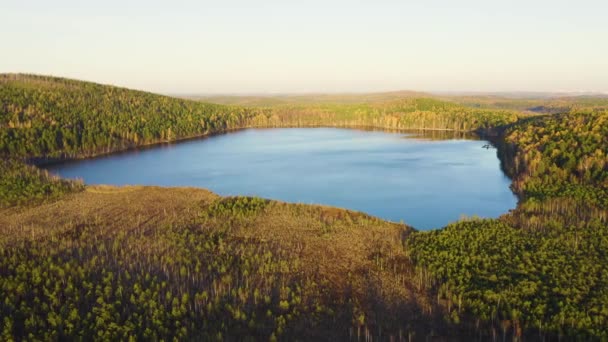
column 396, row 176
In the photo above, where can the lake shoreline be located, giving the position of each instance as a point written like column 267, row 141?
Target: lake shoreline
column 48, row 161
column 404, row 175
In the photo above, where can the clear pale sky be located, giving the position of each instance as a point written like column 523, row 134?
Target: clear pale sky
column 241, row 46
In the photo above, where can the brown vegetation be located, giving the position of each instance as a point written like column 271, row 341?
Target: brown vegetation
column 346, row 262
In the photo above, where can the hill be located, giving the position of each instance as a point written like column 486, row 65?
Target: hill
column 49, row 117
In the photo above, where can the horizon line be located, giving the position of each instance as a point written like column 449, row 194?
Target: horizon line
column 505, row 93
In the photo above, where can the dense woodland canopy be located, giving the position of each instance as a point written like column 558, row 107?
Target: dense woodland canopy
column 23, row 184
column 43, row 116
column 128, row 263
column 54, row 117
column 562, row 155
column 541, row 267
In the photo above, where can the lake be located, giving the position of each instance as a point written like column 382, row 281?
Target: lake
column 396, row 176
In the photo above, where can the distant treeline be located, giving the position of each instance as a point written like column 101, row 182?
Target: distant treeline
column 542, row 104
column 61, row 118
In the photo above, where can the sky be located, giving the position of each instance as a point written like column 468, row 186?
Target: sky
column 264, row 46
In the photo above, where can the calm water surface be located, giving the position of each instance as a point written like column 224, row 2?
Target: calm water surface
column 425, row 183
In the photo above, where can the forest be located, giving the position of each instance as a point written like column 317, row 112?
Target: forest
column 99, row 262
column 47, row 117
column 541, row 267
column 25, row 184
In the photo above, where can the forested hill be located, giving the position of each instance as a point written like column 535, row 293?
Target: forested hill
column 563, row 155
column 48, row 116
column 44, row 116
column 540, row 270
